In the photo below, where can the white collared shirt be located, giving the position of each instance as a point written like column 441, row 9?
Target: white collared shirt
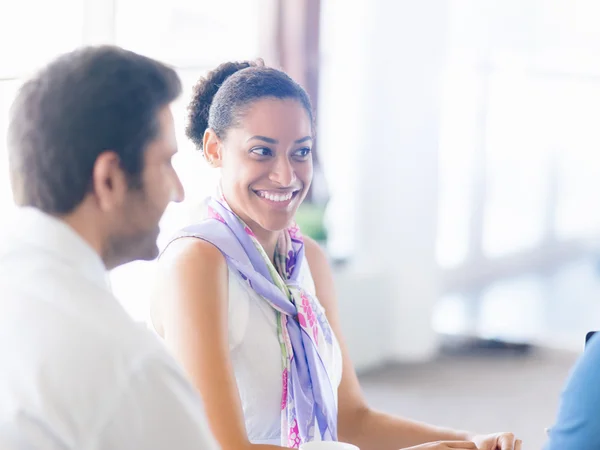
column 76, row 372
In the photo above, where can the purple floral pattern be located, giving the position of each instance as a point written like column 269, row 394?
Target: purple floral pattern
column 311, row 318
column 294, row 440
column 284, row 397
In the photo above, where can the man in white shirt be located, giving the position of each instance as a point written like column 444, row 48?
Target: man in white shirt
column 91, row 138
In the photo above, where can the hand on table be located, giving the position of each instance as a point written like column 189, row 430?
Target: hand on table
column 445, row 445
column 497, row 441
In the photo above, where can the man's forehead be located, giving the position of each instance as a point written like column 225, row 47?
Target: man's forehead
column 167, row 136
column 161, row 147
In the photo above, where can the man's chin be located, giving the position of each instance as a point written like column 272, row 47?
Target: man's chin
column 151, row 254
column 148, row 253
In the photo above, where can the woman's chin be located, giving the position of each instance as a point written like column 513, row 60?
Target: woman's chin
column 276, row 224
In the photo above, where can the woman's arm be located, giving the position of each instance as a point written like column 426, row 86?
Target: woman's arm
column 357, row 423
column 191, row 312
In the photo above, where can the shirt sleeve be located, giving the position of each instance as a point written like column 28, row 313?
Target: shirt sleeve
column 27, row 432
column 158, row 409
column 578, row 421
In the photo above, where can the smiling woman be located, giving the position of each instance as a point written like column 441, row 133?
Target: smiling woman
column 265, row 178
column 266, row 164
column 256, row 125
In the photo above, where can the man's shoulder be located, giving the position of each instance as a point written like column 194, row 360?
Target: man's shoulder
column 72, row 336
column 590, row 358
column 73, row 398
column 586, row 373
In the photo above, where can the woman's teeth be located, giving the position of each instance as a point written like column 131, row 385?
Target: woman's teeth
column 274, row 197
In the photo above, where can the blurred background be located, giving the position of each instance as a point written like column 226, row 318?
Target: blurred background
column 457, row 176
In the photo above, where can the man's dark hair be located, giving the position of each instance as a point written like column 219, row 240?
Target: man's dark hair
column 82, row 104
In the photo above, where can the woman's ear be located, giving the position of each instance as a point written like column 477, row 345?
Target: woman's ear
column 212, row 148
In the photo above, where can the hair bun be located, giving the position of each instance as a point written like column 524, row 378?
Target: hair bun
column 203, row 94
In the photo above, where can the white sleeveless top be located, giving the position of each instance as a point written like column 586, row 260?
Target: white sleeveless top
column 256, row 356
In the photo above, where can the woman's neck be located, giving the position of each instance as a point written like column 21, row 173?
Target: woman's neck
column 268, row 240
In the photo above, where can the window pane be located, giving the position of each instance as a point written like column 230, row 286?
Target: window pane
column 34, row 31
column 578, row 213
column 459, row 144
column 340, row 122
column 539, row 124
column 517, row 160
column 190, row 33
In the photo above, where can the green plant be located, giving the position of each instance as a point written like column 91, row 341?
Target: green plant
column 310, row 219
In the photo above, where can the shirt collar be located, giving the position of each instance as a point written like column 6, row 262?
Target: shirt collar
column 55, row 236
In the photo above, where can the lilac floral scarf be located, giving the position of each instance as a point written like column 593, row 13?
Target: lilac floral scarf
column 308, row 406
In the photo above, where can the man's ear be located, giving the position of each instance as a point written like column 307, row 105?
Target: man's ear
column 212, row 148
column 109, row 181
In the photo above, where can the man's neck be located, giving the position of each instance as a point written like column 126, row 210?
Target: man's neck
column 81, row 221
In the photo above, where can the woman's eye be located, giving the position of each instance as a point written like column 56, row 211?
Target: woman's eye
column 261, row 151
column 303, row 152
